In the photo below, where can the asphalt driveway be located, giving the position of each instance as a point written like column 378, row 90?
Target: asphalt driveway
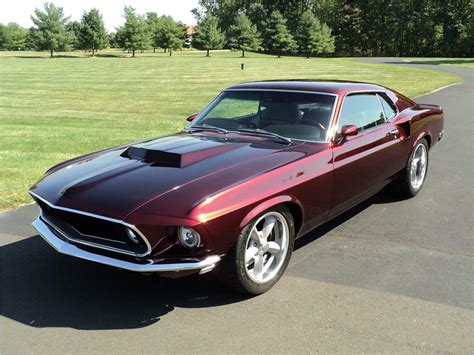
column 389, row 275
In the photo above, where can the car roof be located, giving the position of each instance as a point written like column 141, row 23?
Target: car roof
column 338, row 87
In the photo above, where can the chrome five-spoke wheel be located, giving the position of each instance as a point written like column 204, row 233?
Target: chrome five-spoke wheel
column 412, row 178
column 261, row 252
column 266, row 247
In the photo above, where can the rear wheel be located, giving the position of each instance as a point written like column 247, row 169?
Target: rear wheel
column 415, row 173
column 261, row 252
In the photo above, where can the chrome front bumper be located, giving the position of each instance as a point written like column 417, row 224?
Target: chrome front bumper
column 63, row 247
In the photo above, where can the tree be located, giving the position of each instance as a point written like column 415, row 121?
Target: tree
column 224, row 10
column 154, row 23
column 276, row 37
column 3, row 36
column 112, row 40
column 135, row 32
column 312, row 37
column 208, row 35
column 169, row 34
column 74, row 28
column 13, row 37
column 117, row 40
column 308, row 35
column 259, row 10
column 349, row 29
column 361, row 27
column 468, row 39
column 243, row 35
column 455, row 17
column 92, row 32
column 327, row 41
column 51, row 32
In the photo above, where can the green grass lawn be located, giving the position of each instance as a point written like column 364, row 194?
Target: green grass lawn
column 55, row 109
column 463, row 62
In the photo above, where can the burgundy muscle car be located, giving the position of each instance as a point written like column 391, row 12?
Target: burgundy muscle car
column 263, row 164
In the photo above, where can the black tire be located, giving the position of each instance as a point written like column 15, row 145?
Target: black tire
column 232, row 269
column 405, row 186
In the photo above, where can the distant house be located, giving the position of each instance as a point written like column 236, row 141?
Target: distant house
column 188, row 36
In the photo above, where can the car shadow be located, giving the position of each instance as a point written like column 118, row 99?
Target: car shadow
column 42, row 288
column 387, row 195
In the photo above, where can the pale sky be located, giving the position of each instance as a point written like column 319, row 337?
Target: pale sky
column 20, row 11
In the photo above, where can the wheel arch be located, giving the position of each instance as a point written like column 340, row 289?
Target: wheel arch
column 289, row 202
column 423, row 135
column 427, row 137
column 297, row 213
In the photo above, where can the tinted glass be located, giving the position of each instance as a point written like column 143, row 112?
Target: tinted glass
column 387, row 107
column 362, row 110
column 293, row 115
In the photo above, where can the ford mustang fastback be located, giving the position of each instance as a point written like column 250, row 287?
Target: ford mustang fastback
column 261, row 165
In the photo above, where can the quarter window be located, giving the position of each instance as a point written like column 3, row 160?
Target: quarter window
column 387, row 107
column 361, row 110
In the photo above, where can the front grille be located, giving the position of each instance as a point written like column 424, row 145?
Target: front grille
column 91, row 231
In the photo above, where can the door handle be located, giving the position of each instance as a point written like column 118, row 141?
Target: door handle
column 393, row 133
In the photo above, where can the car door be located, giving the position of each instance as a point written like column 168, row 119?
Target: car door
column 364, row 163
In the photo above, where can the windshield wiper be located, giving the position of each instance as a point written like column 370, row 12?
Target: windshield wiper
column 262, row 132
column 206, row 127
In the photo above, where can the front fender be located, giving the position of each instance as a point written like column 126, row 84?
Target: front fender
column 265, row 205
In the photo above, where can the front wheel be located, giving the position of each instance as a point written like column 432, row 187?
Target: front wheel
column 414, row 175
column 261, row 252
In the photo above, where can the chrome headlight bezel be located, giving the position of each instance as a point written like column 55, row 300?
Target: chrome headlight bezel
column 189, row 238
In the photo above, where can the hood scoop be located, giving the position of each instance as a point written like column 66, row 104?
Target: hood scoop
column 173, row 159
column 155, row 157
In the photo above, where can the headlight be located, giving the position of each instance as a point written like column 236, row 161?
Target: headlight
column 189, row 238
column 134, row 238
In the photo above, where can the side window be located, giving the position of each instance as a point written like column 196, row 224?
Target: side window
column 362, row 110
column 388, row 107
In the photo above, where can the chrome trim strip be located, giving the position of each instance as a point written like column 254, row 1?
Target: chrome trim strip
column 69, row 249
column 284, row 90
column 131, row 226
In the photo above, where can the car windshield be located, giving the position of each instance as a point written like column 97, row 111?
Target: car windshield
column 301, row 116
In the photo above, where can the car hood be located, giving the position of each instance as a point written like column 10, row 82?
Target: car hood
column 115, row 182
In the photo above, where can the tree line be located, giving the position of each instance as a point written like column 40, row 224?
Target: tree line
column 294, row 27
column 360, row 27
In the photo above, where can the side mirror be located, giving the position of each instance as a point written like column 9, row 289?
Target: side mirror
column 192, row 117
column 349, row 130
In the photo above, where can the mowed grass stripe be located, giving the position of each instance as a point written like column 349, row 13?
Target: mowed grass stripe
column 55, row 109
